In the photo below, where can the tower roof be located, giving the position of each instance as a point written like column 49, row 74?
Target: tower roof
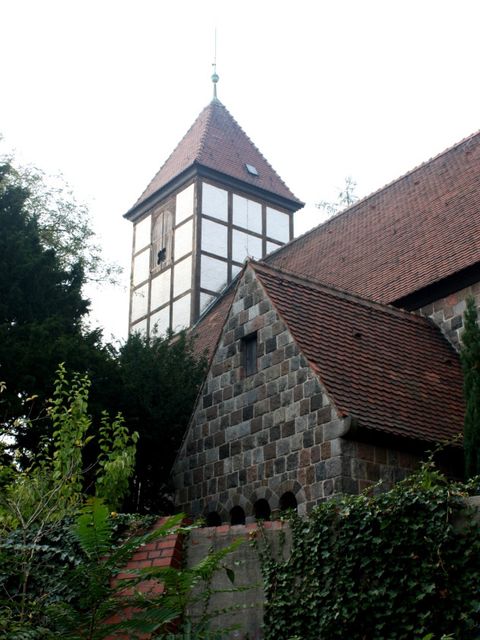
column 217, row 142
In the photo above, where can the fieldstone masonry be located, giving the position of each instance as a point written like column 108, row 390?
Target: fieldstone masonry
column 447, row 312
column 275, row 431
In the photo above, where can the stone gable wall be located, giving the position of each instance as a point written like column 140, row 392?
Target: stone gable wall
column 447, row 312
column 271, row 432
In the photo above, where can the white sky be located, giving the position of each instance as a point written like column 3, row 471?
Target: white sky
column 103, row 90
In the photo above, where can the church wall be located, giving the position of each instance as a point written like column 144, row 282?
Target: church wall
column 378, row 467
column 275, row 431
column 447, row 312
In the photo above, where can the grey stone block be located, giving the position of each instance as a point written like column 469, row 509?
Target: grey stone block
column 333, row 467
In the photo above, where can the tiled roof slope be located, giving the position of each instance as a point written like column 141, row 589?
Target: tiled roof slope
column 216, row 141
column 392, row 370
column 416, row 231
column 207, row 331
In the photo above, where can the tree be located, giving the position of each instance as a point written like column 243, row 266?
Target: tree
column 346, row 197
column 41, row 320
column 64, row 224
column 160, row 379
column 470, row 358
column 42, row 311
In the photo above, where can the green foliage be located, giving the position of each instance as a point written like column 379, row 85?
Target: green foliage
column 93, row 529
column 36, row 502
column 395, row 566
column 100, row 604
column 68, row 413
column 160, row 379
column 41, row 323
column 470, row 358
column 64, row 223
column 116, row 460
column 153, row 383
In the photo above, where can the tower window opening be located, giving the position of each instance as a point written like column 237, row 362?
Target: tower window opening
column 262, row 510
column 162, row 237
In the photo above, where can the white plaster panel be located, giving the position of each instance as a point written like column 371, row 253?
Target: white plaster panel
column 271, row 246
column 247, row 214
column 182, row 276
column 214, row 202
column 181, row 313
column 139, row 302
column 160, row 289
column 245, row 246
column 160, row 321
column 184, row 204
column 139, row 327
column 143, row 233
column 213, row 273
column 141, row 267
column 214, row 238
column 235, row 270
column 183, row 239
column 278, row 225
column 205, row 299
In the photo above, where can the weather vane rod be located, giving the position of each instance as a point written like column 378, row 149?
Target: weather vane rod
column 215, row 76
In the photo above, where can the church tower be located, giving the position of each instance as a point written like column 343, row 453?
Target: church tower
column 215, row 202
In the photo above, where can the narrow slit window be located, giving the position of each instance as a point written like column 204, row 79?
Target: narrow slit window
column 250, row 354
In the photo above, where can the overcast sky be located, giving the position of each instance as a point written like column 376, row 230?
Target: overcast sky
column 103, row 90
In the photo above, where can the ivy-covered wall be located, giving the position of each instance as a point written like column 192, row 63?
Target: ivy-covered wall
column 403, row 565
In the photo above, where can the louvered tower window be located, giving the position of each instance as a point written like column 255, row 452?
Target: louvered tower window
column 162, row 239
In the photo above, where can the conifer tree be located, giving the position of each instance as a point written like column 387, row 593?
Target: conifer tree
column 470, row 357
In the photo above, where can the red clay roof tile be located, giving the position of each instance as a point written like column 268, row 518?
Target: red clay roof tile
column 414, row 232
column 207, row 331
column 392, row 370
column 216, row 141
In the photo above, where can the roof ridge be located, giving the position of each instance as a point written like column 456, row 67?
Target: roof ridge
column 255, row 146
column 384, row 187
column 341, row 293
column 140, row 198
column 209, row 109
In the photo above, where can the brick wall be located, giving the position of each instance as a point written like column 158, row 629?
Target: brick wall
column 272, row 432
column 447, row 312
column 166, row 551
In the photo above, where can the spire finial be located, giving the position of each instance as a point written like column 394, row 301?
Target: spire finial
column 215, row 76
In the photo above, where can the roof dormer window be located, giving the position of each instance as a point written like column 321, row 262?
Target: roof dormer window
column 251, row 169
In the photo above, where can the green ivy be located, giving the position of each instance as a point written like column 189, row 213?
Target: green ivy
column 396, row 566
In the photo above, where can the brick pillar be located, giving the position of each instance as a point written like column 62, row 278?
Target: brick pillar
column 163, row 552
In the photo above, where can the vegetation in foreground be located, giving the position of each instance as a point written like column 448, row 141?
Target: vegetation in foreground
column 400, row 565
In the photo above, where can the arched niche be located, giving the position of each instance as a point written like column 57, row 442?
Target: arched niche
column 213, row 519
column 237, row 515
column 288, row 501
column 261, row 509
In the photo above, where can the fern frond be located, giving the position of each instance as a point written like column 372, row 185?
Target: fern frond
column 93, row 529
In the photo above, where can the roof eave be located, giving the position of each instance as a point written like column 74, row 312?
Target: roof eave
column 196, row 169
column 362, row 430
column 439, row 288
